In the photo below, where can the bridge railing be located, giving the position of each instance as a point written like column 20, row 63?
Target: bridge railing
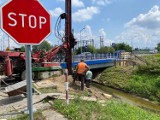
column 88, row 57
column 95, row 57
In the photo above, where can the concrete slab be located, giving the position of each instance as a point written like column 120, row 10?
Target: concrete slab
column 44, row 84
column 50, row 114
column 17, row 104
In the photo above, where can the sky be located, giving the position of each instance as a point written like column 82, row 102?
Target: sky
column 134, row 22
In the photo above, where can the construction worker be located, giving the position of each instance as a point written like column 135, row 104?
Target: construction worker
column 74, row 75
column 88, row 78
column 81, row 71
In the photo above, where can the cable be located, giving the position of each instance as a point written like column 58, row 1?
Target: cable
column 57, row 29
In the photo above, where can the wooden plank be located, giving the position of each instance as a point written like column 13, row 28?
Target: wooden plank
column 15, row 86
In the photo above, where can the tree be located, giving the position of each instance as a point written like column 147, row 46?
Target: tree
column 22, row 49
column 89, row 48
column 106, row 49
column 111, row 49
column 122, row 46
column 158, row 47
column 45, row 45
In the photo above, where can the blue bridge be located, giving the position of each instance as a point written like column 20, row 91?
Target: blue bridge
column 95, row 61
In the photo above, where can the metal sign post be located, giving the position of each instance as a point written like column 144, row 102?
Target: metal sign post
column 29, row 80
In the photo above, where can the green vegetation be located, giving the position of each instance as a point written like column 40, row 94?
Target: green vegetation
column 158, row 47
column 37, row 116
column 22, row 49
column 85, row 110
column 122, row 46
column 45, row 45
column 152, row 65
column 104, row 49
column 90, row 48
column 143, row 80
column 47, row 90
column 111, row 110
column 116, row 77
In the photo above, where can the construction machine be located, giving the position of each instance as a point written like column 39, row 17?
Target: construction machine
column 43, row 63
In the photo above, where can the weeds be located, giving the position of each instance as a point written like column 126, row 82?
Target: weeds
column 143, row 80
column 113, row 110
column 37, row 116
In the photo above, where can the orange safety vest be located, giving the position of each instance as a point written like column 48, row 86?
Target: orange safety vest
column 81, row 68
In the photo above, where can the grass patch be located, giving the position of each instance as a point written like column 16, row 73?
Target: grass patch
column 113, row 110
column 116, row 77
column 143, row 80
column 37, row 116
column 144, row 85
column 47, row 90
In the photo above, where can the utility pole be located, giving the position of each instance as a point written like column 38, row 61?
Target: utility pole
column 68, row 30
column 93, row 42
column 101, row 41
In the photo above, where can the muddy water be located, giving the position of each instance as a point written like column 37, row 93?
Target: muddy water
column 131, row 99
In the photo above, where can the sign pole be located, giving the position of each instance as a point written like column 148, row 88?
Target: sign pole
column 66, row 76
column 29, row 80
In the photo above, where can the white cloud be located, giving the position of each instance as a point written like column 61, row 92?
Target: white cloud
column 101, row 2
column 50, row 42
column 139, row 37
column 142, row 31
column 108, row 42
column 86, row 34
column 102, row 32
column 150, row 20
column 85, row 14
column 56, row 12
column 75, row 3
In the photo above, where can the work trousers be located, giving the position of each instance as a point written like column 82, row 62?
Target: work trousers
column 88, row 83
column 81, row 77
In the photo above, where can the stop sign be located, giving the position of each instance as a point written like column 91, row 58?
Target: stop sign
column 25, row 21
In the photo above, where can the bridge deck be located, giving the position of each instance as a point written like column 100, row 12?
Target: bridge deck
column 94, row 64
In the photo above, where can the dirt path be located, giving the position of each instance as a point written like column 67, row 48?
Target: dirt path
column 75, row 88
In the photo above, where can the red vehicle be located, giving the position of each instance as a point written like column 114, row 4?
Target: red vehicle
column 13, row 62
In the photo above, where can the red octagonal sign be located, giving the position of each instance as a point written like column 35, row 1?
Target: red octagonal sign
column 26, row 21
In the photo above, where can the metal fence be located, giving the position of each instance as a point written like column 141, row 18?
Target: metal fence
column 94, row 57
column 89, row 57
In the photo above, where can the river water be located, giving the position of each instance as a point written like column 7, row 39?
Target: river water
column 131, row 99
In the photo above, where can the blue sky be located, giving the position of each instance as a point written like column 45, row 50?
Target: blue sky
column 135, row 22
